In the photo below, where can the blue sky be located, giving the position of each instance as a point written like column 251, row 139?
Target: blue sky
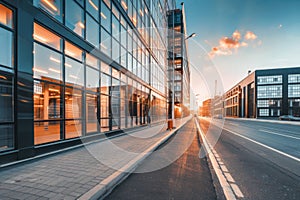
column 274, row 25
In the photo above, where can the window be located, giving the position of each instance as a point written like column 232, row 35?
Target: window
column 264, row 112
column 47, row 64
column 92, row 31
column 74, row 17
column 105, row 17
column 52, row 7
column 294, row 78
column 92, row 7
column 269, row 80
column 273, row 91
column 44, row 36
column 47, row 104
column 73, row 51
column 92, row 79
column 92, row 61
column 105, row 83
column 105, row 42
column 74, row 72
column 6, row 52
column 91, row 113
column 294, row 90
column 73, row 112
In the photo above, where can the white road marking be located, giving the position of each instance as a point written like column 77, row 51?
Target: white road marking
column 231, row 191
column 263, row 145
column 234, row 124
column 237, row 190
column 274, row 133
column 229, row 177
column 224, row 168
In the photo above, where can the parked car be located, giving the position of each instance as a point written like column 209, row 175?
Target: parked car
column 289, row 118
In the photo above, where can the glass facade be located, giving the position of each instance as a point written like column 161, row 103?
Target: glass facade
column 86, row 68
column 7, row 78
column 75, row 92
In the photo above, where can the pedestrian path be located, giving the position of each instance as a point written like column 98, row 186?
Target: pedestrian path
column 87, row 172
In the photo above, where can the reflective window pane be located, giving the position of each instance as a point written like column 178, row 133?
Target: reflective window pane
column 105, row 68
column 92, row 79
column 6, row 97
column 105, row 42
column 74, row 72
column 45, row 132
column 92, row 61
column 6, row 16
column 52, row 7
column 73, row 128
column 47, row 101
column 6, row 137
column 115, row 28
column 91, row 113
column 74, row 17
column 46, row 37
column 47, row 64
column 105, row 83
column 73, row 51
column 92, row 7
column 73, row 103
column 6, row 51
column 92, row 31
column 105, row 17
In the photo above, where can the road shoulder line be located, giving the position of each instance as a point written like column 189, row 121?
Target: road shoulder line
column 230, row 190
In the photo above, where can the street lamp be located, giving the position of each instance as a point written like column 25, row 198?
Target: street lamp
column 190, row 36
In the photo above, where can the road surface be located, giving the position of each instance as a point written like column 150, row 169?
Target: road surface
column 186, row 178
column 263, row 158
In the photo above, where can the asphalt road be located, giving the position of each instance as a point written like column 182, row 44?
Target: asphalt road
column 187, row 177
column 262, row 158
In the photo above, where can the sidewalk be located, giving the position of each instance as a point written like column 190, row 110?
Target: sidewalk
column 78, row 173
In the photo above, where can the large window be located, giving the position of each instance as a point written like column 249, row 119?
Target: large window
column 269, row 80
column 75, row 17
column 52, row 7
column 294, row 78
column 92, row 31
column 6, row 79
column 273, row 91
column 294, row 90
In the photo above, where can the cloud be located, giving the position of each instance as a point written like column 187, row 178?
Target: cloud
column 250, row 36
column 227, row 45
column 236, row 35
column 279, row 26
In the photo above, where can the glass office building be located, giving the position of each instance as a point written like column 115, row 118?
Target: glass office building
column 265, row 94
column 79, row 68
column 178, row 70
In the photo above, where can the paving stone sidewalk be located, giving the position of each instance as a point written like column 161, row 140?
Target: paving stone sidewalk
column 73, row 173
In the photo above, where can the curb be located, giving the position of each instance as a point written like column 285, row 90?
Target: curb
column 105, row 187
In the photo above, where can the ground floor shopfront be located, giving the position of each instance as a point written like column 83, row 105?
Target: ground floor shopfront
column 54, row 90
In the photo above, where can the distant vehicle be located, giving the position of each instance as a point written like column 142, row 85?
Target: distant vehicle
column 289, row 118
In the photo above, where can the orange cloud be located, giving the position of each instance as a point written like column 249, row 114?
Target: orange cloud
column 250, row 36
column 228, row 44
column 236, row 35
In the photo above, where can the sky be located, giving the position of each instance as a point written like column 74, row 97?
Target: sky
column 234, row 36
